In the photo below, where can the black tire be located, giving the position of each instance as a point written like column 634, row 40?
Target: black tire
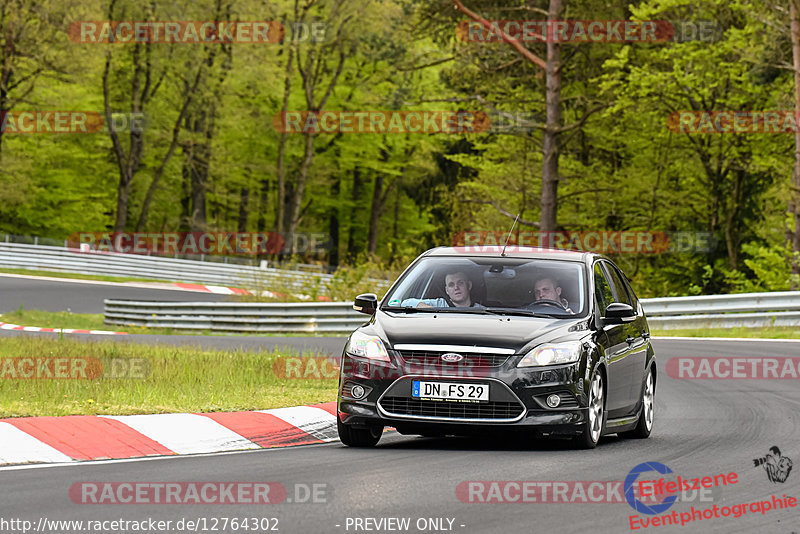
column 646, row 417
column 596, row 415
column 358, row 437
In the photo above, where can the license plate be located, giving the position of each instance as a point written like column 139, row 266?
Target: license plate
column 452, row 391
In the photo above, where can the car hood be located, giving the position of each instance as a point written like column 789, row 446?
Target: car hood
column 511, row 332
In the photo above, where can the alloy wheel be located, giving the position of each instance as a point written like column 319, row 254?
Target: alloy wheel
column 596, row 407
column 648, row 401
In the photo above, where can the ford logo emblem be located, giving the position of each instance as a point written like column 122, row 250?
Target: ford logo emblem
column 452, row 357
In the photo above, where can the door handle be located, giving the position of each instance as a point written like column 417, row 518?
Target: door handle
column 630, row 340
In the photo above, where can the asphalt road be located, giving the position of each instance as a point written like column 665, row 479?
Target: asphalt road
column 81, row 296
column 702, row 428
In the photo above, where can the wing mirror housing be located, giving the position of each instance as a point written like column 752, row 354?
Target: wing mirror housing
column 366, row 303
column 618, row 313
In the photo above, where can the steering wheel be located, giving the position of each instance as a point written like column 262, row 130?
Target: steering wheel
column 547, row 302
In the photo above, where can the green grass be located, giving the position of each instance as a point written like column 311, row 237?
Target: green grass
column 59, row 274
column 180, row 379
column 770, row 332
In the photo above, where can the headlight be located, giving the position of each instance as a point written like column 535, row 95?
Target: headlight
column 371, row 347
column 552, row 354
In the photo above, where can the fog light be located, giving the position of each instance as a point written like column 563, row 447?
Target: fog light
column 357, row 391
column 553, row 400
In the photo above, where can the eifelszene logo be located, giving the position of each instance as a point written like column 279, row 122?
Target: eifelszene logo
column 630, row 484
column 667, row 490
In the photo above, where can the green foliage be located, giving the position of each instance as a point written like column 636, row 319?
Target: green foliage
column 705, row 279
column 770, row 269
column 366, row 277
column 389, row 197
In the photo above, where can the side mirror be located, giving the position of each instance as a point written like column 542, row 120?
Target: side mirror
column 618, row 313
column 367, row 303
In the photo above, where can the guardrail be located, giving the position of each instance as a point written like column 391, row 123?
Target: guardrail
column 211, row 258
column 50, row 258
column 747, row 310
column 715, row 311
column 236, row 316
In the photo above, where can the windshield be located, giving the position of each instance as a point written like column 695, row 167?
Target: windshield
column 518, row 286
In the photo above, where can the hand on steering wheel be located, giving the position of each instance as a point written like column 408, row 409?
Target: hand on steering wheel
column 548, row 302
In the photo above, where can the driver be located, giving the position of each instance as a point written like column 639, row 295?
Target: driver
column 548, row 288
column 457, row 285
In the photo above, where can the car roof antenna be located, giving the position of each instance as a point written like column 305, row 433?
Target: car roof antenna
column 509, row 236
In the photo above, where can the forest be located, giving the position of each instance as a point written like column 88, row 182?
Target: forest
column 387, row 127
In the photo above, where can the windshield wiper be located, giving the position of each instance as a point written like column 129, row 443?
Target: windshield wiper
column 454, row 309
column 457, row 309
column 408, row 309
column 523, row 313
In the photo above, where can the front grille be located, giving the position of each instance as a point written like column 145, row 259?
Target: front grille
column 454, row 410
column 428, row 359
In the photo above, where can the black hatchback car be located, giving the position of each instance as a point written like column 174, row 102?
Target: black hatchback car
column 545, row 341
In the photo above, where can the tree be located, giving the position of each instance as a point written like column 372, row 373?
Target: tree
column 144, row 75
column 319, row 71
column 199, row 123
column 794, row 195
column 717, row 181
column 29, row 30
column 552, row 127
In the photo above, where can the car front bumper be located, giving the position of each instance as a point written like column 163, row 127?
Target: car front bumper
column 517, row 398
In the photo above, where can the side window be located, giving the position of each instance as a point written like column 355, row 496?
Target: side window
column 602, row 291
column 617, row 286
column 631, row 294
